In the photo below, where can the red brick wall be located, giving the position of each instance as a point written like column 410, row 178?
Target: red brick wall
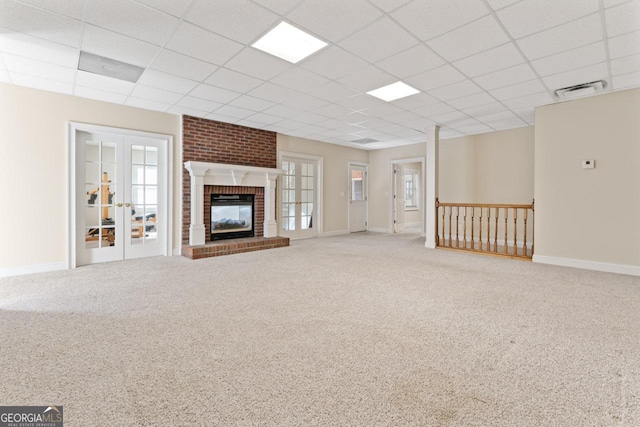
column 206, row 140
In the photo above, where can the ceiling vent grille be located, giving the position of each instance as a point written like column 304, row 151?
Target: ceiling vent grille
column 365, row 141
column 109, row 67
column 584, row 89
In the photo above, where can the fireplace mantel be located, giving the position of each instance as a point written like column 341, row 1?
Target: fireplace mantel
column 203, row 173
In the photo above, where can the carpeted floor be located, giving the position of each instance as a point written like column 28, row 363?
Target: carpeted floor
column 366, row 329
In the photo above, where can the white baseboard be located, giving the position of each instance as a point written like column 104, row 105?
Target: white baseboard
column 31, row 269
column 378, row 230
column 334, row 233
column 588, row 265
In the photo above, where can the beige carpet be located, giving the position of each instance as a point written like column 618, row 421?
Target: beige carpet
column 363, row 330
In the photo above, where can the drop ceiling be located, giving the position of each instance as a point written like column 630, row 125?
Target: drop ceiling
column 480, row 65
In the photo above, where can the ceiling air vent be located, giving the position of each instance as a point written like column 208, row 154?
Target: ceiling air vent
column 365, row 141
column 109, row 67
column 584, row 89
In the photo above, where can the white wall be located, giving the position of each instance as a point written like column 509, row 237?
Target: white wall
column 589, row 217
column 336, row 158
column 34, row 169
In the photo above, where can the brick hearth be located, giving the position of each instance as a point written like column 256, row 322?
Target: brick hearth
column 233, row 246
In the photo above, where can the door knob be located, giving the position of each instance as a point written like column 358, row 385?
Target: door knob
column 127, row 204
column 119, row 205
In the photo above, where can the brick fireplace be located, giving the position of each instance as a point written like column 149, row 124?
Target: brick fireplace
column 227, row 159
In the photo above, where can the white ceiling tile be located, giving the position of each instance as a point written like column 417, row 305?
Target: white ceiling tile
column 100, row 95
column 623, row 19
column 576, row 58
column 198, row 43
column 420, row 125
column 535, row 100
column 505, row 124
column 250, row 123
column 282, row 111
column 172, row 7
column 518, row 90
column 237, row 112
column 35, row 48
column 452, row 116
column 178, row 110
column 359, row 102
column 526, row 114
column 559, row 39
column 279, row 6
column 70, row 8
column 427, row 19
column 456, row 90
column 626, row 81
column 303, row 101
column 504, row 56
column 161, row 80
column 579, row 76
column 389, row 5
column 108, row 84
column 472, row 100
column 624, row 45
column 333, row 62
column 214, row 94
column 528, row 17
column 181, row 65
column 221, row 118
column 402, row 116
column 506, row 77
column 333, row 92
column 433, row 110
column 499, row 4
column 367, row 78
column 264, row 118
column 310, row 118
column 258, row 64
column 446, row 133
column 198, row 104
column 415, row 101
column 40, row 83
column 333, row 19
column 379, row 40
column 155, row 94
column 31, row 67
column 610, row 3
column 39, row 23
column 474, row 129
column 115, row 46
column 625, row 65
column 147, row 104
column 290, row 124
column 131, row 19
column 356, row 118
column 300, row 79
column 332, row 110
column 410, row 62
column 438, row 77
column 503, row 115
column 485, row 110
column 224, row 17
column 470, row 39
column 251, row 103
column 233, row 80
column 271, row 92
column 382, row 110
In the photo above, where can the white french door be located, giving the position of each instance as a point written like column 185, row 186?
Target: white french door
column 358, row 197
column 299, row 198
column 120, row 197
column 399, row 184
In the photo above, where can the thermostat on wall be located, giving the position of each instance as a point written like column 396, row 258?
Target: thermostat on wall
column 588, row 164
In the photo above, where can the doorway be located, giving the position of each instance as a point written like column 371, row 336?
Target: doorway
column 407, row 201
column 358, row 197
column 300, row 202
column 119, row 190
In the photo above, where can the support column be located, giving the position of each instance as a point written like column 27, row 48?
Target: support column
column 270, row 226
column 433, row 141
column 196, row 228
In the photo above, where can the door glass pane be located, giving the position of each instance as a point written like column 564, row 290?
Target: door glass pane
column 137, row 174
column 152, row 156
column 137, row 195
column 92, row 172
column 92, row 151
column 109, row 172
column 151, row 175
column 137, row 154
column 108, row 152
column 99, row 212
column 151, row 194
column 357, row 185
column 92, row 216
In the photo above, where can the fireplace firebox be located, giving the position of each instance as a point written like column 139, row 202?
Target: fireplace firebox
column 232, row 216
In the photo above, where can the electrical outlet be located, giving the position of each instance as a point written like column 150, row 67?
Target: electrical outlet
column 588, row 164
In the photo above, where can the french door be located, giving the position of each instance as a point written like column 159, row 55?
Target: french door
column 358, row 197
column 299, row 198
column 399, row 189
column 120, row 197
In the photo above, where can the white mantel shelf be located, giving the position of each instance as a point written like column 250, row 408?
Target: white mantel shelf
column 203, row 173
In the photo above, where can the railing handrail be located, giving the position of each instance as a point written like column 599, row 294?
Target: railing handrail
column 484, row 205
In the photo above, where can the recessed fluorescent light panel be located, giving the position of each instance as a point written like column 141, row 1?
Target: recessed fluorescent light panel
column 109, row 67
column 289, row 43
column 393, row 91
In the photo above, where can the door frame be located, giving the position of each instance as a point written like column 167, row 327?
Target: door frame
column 319, row 193
column 366, row 193
column 72, row 129
column 423, row 217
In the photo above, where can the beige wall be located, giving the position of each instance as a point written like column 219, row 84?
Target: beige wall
column 34, row 167
column 589, row 214
column 335, row 191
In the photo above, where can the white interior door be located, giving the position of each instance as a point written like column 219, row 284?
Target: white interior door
column 299, row 201
column 358, row 197
column 398, row 198
column 120, row 197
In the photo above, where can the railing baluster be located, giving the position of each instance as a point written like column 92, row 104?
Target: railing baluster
column 480, row 228
column 464, row 236
column 515, row 231
column 495, row 240
column 457, row 227
column 488, row 229
column 473, row 214
column 450, row 213
column 444, row 239
column 506, row 215
column 524, row 245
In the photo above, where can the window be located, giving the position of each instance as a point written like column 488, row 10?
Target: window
column 411, row 199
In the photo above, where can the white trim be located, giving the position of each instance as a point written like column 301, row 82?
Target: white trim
column 365, row 165
column 422, row 187
column 177, row 251
column 334, row 233
column 34, row 268
column 379, row 230
column 631, row 270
